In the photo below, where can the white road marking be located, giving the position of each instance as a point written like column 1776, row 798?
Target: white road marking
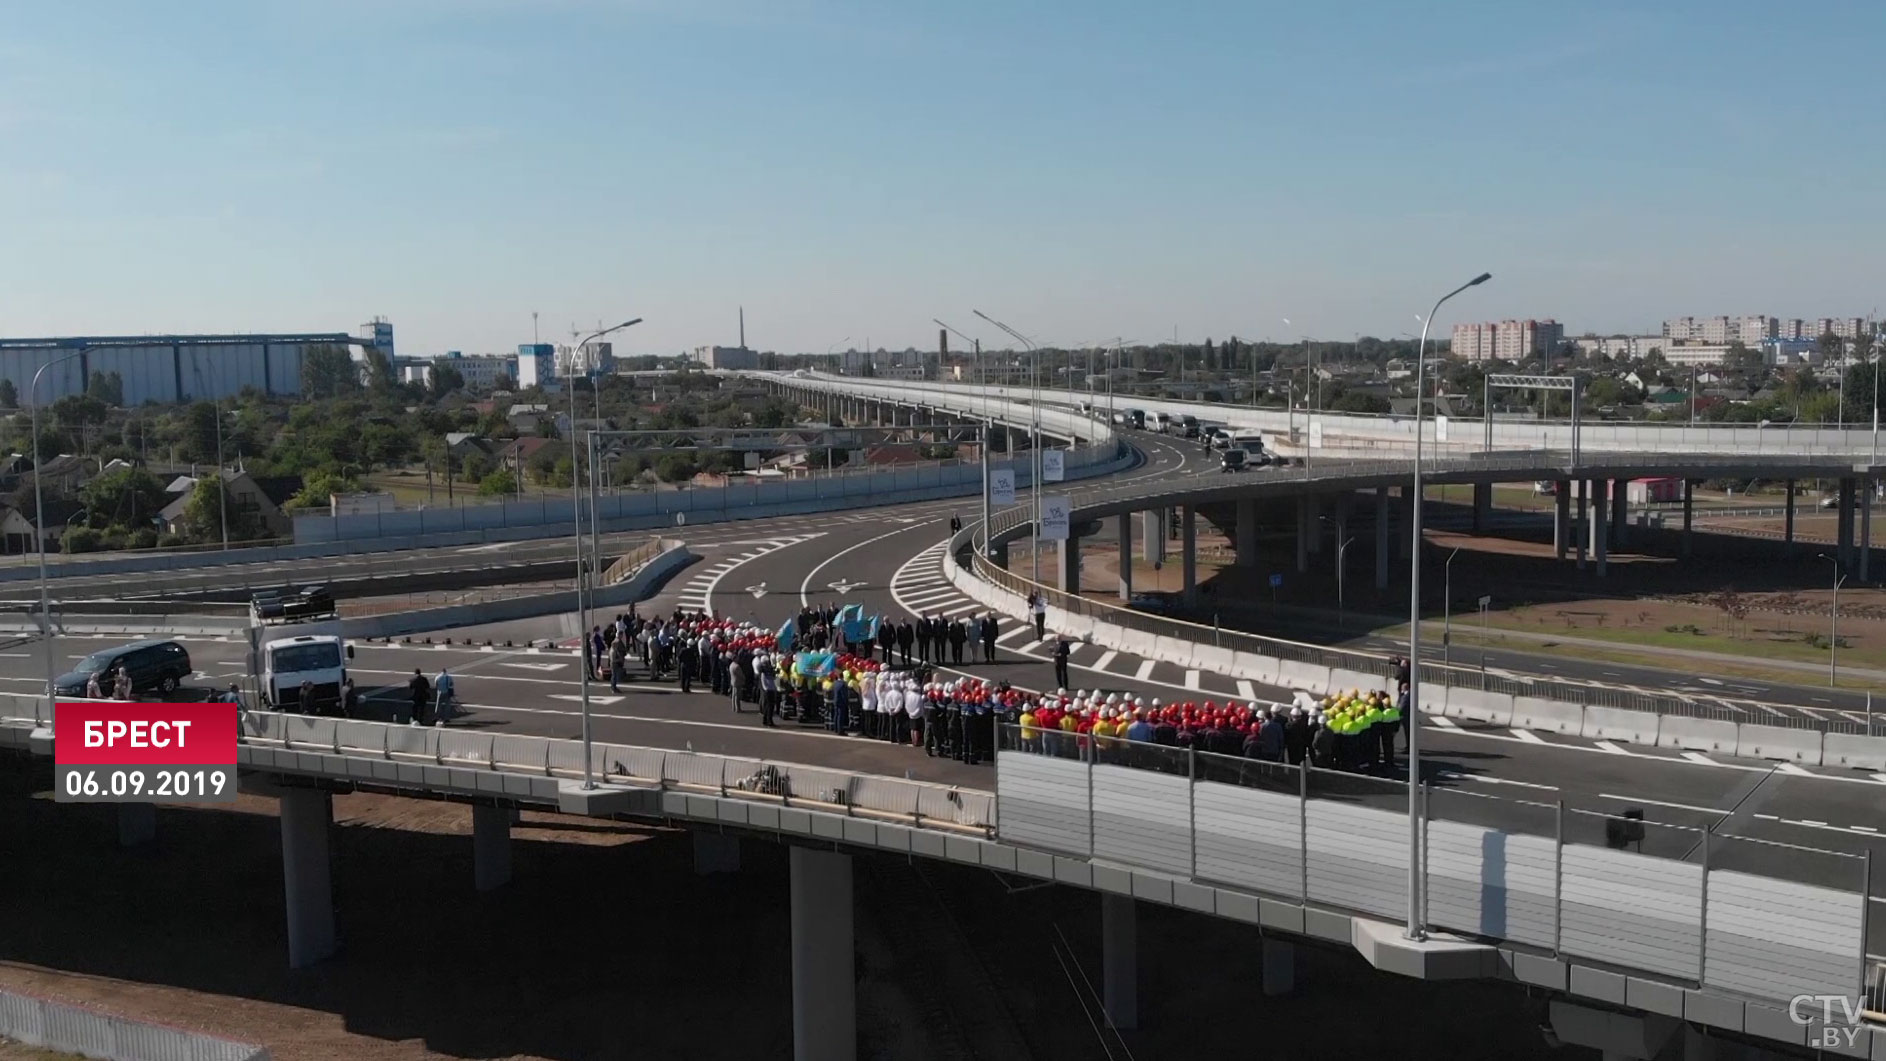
column 1442, row 722
column 1793, row 771
column 1486, row 780
column 1526, row 736
column 1191, row 679
column 1108, row 657
column 1246, row 689
column 1662, row 803
column 1608, row 746
column 595, row 698
column 805, row 596
column 536, row 666
column 1699, row 757
column 1145, row 669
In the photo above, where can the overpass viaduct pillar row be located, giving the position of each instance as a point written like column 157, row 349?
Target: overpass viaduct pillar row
column 1482, row 507
column 1404, row 529
column 1561, row 518
column 307, row 815
column 1247, row 532
column 1125, row 533
column 1381, row 537
column 824, row 974
column 1188, row 548
column 1153, row 529
column 1119, row 959
column 137, row 824
column 491, row 847
column 1689, row 512
column 1579, row 535
column 1845, row 537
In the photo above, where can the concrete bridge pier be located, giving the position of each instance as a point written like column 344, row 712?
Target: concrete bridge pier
column 1580, row 527
column 1247, row 532
column 1845, row 538
column 137, row 824
column 1188, row 553
column 1787, row 518
column 306, row 817
column 1313, row 526
column 1620, row 503
column 1689, row 513
column 1119, row 959
column 1561, row 518
column 1405, row 529
column 1381, row 537
column 491, row 847
column 1866, row 527
column 824, row 959
column 1125, row 523
column 1482, row 507
column 1067, row 565
column 1600, row 527
column 1154, row 531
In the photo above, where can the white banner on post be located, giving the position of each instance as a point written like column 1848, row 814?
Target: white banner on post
column 1440, row 429
column 1054, row 518
column 1002, row 486
column 1053, row 465
column 1316, row 434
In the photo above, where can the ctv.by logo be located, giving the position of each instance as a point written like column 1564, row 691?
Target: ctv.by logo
column 1838, row 1032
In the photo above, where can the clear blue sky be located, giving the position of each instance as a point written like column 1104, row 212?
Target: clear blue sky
column 847, row 168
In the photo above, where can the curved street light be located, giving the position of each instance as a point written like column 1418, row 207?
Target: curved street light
column 39, row 522
column 576, row 520
column 1416, row 931
column 1034, row 402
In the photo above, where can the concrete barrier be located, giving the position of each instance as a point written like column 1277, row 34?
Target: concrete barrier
column 1475, row 704
column 1253, row 667
column 1343, row 679
column 1172, row 650
column 1306, row 676
column 1853, row 752
column 1613, row 723
column 1778, row 742
column 1213, row 660
column 1698, row 734
column 1552, row 716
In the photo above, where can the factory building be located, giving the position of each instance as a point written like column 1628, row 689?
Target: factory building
column 176, row 368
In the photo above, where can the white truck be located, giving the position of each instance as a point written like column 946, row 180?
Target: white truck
column 286, row 654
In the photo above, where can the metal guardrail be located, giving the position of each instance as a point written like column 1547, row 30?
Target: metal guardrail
column 631, row 562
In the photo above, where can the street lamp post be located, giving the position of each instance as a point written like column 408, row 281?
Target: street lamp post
column 576, row 520
column 1342, row 549
column 1416, row 930
column 1833, row 627
column 39, row 524
column 1034, row 476
column 988, row 429
column 222, row 485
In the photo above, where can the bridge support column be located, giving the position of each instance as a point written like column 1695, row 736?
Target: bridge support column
column 1689, row 513
column 1482, row 507
column 307, row 815
column 1125, row 521
column 1561, row 518
column 1188, row 549
column 1280, row 967
column 1119, row 959
column 491, row 847
column 1314, row 526
column 1620, row 504
column 1153, row 529
column 715, row 853
column 1866, row 527
column 1303, row 533
column 1405, row 529
column 1580, row 535
column 1067, row 565
column 1247, row 532
column 137, row 824
column 1381, row 537
column 1787, row 518
column 1600, row 527
column 824, row 973
column 1845, row 537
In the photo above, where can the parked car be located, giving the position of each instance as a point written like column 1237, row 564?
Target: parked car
column 155, row 666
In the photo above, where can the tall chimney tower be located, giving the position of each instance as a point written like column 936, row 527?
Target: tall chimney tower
column 743, row 327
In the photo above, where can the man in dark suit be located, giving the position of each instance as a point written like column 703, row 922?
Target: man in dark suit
column 959, row 636
column 990, row 632
column 906, row 637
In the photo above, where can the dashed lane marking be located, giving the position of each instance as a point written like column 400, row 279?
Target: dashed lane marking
column 1700, row 759
column 1106, row 659
column 1191, row 679
column 1145, row 669
column 1246, row 689
column 1526, row 736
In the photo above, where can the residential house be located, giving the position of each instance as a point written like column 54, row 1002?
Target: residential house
column 17, row 525
column 260, row 498
column 525, row 416
column 461, row 446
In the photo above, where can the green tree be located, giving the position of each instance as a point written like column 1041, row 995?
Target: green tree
column 122, row 497
column 199, row 433
column 328, row 372
column 316, row 488
column 202, row 520
column 445, row 379
column 107, row 388
column 497, row 484
column 79, row 410
column 675, row 467
column 9, row 395
column 1359, row 402
column 380, row 377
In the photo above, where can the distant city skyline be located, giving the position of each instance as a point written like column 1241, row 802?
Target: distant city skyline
column 844, row 170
